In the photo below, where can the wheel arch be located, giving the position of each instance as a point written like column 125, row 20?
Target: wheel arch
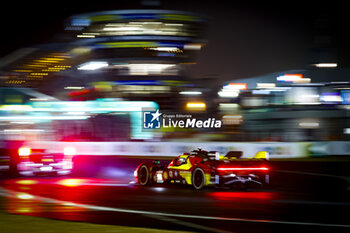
column 149, row 168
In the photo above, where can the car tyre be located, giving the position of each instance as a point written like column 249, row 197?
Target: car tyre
column 198, row 178
column 143, row 175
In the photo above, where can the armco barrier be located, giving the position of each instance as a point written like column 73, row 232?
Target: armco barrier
column 172, row 149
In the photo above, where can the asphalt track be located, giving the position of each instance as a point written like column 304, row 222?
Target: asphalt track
column 307, row 196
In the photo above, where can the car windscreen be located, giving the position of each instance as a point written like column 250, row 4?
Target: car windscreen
column 179, row 161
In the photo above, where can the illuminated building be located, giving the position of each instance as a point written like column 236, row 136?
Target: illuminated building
column 294, row 105
column 129, row 54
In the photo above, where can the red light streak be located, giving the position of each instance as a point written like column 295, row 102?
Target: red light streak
column 241, row 196
column 243, row 169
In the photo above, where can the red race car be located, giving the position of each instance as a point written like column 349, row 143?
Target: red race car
column 201, row 168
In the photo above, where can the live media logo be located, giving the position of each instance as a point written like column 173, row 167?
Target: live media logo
column 152, row 119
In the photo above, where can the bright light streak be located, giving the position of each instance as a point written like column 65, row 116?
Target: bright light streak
column 229, row 106
column 69, row 150
column 190, row 92
column 146, row 69
column 232, row 116
column 33, row 164
column 346, row 130
column 24, row 210
column 236, row 86
column 159, row 189
column 309, row 123
column 86, row 36
column 243, row 169
column 80, row 113
column 94, row 65
column 22, row 130
column 16, row 108
column 174, row 24
column 45, row 169
column 73, row 88
column 303, row 80
column 71, row 182
column 265, row 85
column 192, row 46
column 22, row 122
column 166, row 49
column 24, row 151
column 196, row 106
column 121, row 29
column 326, row 65
column 24, row 196
column 228, row 94
column 289, row 78
column 68, row 204
column 232, row 119
column 261, row 92
column 331, row 98
column 26, row 182
column 6, row 118
column 38, row 99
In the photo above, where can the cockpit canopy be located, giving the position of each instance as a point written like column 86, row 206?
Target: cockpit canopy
column 179, row 161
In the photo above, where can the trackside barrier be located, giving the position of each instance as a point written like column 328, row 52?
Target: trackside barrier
column 330, row 148
column 172, row 149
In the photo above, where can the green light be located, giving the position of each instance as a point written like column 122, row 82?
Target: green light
column 129, row 44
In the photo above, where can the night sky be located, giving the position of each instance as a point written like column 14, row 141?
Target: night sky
column 245, row 38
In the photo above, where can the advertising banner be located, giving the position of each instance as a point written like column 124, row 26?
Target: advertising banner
column 172, row 149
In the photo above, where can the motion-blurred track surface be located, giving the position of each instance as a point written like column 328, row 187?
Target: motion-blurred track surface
column 308, row 197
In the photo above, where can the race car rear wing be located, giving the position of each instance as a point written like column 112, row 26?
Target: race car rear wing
column 234, row 154
column 262, row 155
column 238, row 155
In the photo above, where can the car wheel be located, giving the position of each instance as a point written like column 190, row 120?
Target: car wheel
column 198, row 178
column 143, row 175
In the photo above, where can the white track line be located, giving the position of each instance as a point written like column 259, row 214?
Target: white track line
column 9, row 193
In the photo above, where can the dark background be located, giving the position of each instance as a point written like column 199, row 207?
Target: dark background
column 246, row 38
